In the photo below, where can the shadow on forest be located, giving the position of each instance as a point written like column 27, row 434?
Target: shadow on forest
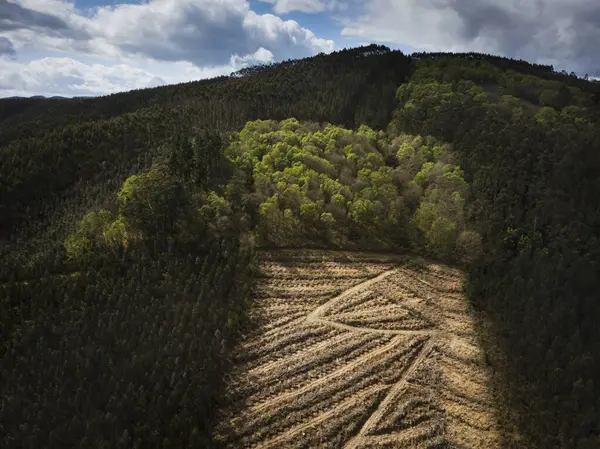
column 541, row 378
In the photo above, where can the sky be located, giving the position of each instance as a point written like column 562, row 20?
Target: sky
column 97, row 47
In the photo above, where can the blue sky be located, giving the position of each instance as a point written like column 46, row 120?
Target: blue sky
column 97, row 47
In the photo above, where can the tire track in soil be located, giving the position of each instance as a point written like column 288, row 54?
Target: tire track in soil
column 433, row 294
column 350, row 367
column 341, row 408
column 321, row 310
column 391, row 396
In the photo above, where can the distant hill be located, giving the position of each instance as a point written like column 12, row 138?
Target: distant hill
column 37, row 97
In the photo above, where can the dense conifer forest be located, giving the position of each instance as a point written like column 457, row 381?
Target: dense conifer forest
column 129, row 226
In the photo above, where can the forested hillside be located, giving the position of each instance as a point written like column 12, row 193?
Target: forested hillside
column 128, row 226
column 533, row 166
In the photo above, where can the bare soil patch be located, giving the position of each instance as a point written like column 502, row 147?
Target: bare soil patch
column 359, row 350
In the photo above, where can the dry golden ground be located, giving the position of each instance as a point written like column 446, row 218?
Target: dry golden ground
column 358, row 350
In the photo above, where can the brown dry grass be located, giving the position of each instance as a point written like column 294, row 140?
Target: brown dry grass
column 358, row 350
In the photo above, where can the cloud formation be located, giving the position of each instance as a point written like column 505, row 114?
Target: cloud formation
column 6, row 47
column 204, row 32
column 69, row 77
column 205, row 37
column 14, row 16
column 306, row 6
column 561, row 32
column 64, row 76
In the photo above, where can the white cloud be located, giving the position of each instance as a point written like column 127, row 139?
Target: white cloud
column 563, row 32
column 307, row 6
column 204, row 32
column 214, row 37
column 68, row 77
column 260, row 56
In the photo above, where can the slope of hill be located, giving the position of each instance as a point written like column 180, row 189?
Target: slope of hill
column 62, row 148
column 533, row 174
column 128, row 225
column 347, row 87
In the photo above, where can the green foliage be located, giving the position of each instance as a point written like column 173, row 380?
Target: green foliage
column 115, row 233
column 441, row 237
column 142, row 350
column 152, row 202
column 533, row 186
column 148, row 302
column 549, row 98
column 336, row 187
column 93, row 224
column 94, row 230
column 547, row 116
column 215, row 215
column 78, row 247
column 53, row 148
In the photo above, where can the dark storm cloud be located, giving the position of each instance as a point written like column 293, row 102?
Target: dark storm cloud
column 204, row 32
column 16, row 17
column 586, row 47
column 189, row 34
column 561, row 30
column 565, row 33
column 491, row 21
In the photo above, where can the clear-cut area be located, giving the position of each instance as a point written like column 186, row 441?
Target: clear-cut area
column 359, row 350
